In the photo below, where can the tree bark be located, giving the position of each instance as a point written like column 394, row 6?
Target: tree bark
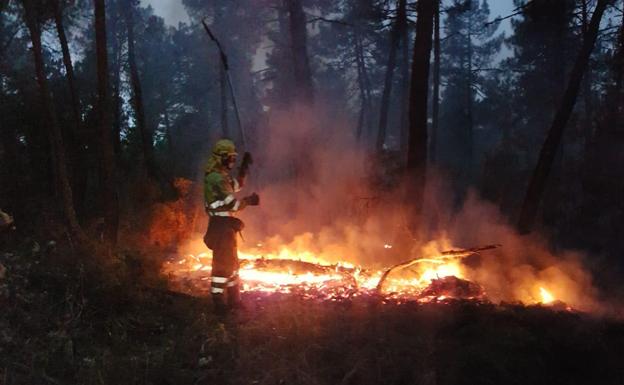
column 67, row 62
column 145, row 133
column 548, row 152
column 404, row 119
column 363, row 84
column 435, row 120
column 79, row 172
column 54, row 133
column 108, row 176
column 304, row 91
column 587, row 93
column 469, row 107
column 116, row 52
column 395, row 37
column 10, row 163
column 419, row 88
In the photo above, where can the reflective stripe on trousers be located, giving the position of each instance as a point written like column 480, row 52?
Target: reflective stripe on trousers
column 218, row 284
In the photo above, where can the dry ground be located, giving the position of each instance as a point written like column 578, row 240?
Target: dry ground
column 62, row 323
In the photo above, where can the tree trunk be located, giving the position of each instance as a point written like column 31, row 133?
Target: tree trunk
column 116, row 91
column 69, row 68
column 395, row 37
column 79, row 172
column 587, row 93
column 548, row 152
column 404, row 119
column 54, row 133
column 417, row 149
column 435, row 120
column 145, row 133
column 108, row 176
column 364, row 118
column 304, row 91
column 10, row 163
column 168, row 135
column 469, row 143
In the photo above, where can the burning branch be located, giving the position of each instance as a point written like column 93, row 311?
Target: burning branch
column 449, row 254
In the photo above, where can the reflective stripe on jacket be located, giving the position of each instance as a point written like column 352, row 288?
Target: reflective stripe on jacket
column 219, row 189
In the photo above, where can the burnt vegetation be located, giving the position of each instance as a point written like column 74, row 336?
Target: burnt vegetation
column 107, row 113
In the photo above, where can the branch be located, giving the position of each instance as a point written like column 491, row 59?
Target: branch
column 449, row 254
column 10, row 40
column 334, row 21
column 499, row 19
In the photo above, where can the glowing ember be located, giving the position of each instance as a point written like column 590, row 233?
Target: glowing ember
column 285, row 271
column 440, row 276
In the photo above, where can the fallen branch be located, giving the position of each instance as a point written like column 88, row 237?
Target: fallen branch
column 459, row 253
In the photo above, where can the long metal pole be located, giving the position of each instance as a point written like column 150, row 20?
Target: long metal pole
column 226, row 67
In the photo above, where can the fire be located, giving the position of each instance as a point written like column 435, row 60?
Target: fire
column 439, row 277
column 546, row 296
column 288, row 271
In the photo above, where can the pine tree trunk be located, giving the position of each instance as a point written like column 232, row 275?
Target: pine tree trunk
column 587, row 93
column 69, row 68
column 435, row 120
column 395, row 37
column 364, row 118
column 405, row 81
column 419, row 88
column 469, row 143
column 304, row 91
column 79, row 172
column 9, row 161
column 548, row 152
column 116, row 83
column 169, row 136
column 54, row 133
column 108, row 182
column 145, row 133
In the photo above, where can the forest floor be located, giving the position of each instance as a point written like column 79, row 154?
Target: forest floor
column 61, row 324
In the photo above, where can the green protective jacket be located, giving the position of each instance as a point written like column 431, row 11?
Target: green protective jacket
column 219, row 189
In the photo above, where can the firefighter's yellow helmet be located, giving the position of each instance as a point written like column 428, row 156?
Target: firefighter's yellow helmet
column 224, row 147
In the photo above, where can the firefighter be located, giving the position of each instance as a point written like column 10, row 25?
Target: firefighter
column 223, row 227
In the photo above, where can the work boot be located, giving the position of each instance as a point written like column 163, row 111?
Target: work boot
column 233, row 297
column 219, row 304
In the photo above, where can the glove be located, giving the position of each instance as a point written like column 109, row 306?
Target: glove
column 244, row 167
column 252, row 200
column 247, row 159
